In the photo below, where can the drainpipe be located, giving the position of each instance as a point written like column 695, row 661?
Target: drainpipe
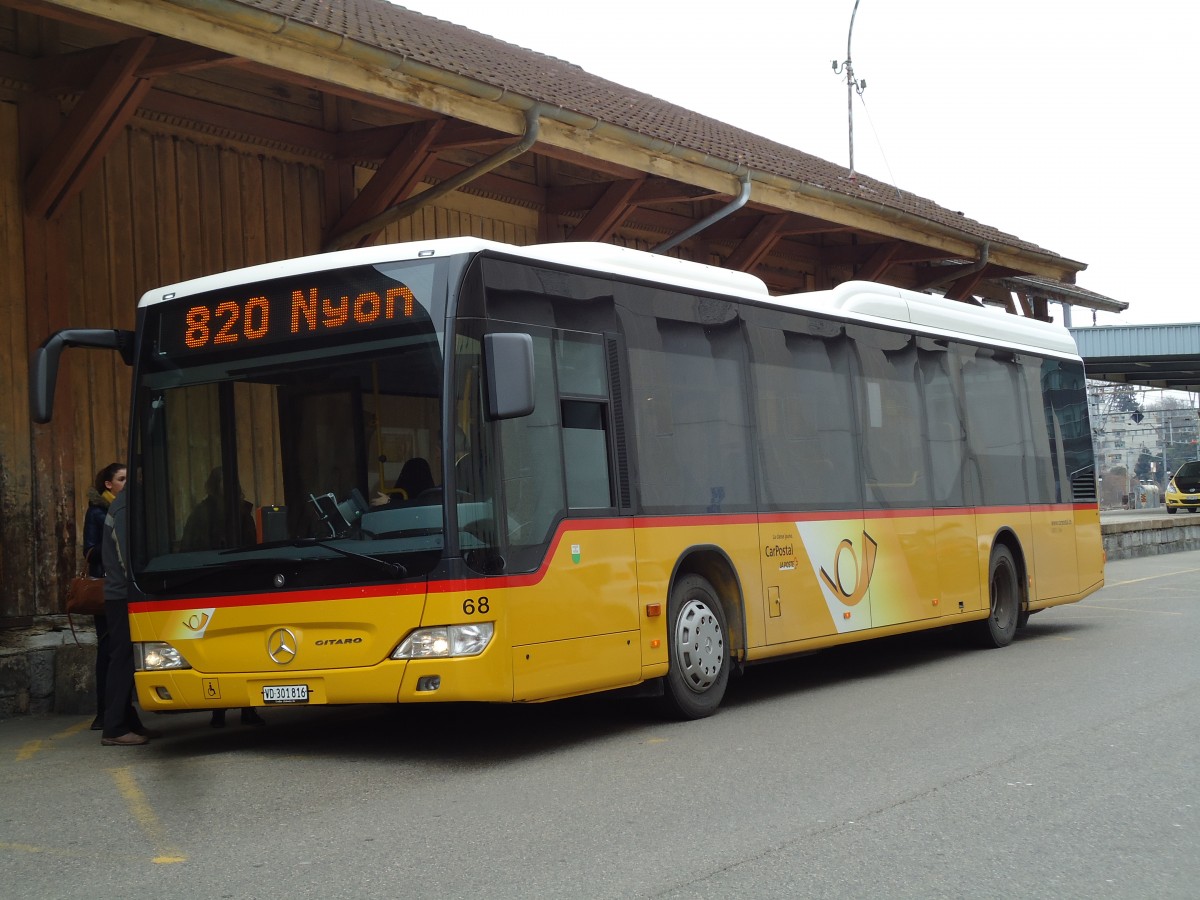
column 738, row 202
column 407, row 207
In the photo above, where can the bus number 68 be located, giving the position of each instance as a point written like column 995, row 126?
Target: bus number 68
column 472, row 606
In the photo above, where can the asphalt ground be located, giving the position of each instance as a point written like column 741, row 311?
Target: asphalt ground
column 1062, row 766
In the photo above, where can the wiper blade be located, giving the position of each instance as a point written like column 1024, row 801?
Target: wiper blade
column 394, row 569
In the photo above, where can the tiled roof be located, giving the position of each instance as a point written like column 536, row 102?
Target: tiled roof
column 461, row 51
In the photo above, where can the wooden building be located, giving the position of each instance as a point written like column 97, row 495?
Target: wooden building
column 147, row 141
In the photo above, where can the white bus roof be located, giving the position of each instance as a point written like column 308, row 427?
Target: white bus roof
column 861, row 301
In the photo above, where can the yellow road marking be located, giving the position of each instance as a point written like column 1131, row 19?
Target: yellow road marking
column 1151, row 612
column 144, row 815
column 1150, row 577
column 63, row 853
column 74, row 729
column 30, row 748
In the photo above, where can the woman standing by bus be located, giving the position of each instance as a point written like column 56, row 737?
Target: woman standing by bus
column 109, row 482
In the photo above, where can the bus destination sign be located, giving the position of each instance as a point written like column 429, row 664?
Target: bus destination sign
column 286, row 312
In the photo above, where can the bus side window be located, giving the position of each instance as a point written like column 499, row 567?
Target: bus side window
column 585, row 452
column 583, row 391
column 892, row 424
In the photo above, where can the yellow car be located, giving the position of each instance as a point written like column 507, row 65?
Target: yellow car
column 1183, row 490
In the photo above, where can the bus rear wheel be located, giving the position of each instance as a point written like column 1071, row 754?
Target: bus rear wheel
column 698, row 649
column 1004, row 591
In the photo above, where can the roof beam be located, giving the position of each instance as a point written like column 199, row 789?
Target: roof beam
column 90, row 129
column 575, row 197
column 609, row 212
column 793, row 225
column 880, row 261
column 241, row 122
column 964, row 287
column 405, row 167
column 510, row 190
column 376, row 143
column 70, row 73
column 757, row 244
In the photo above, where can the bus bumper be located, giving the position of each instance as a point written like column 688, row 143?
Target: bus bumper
column 482, row 678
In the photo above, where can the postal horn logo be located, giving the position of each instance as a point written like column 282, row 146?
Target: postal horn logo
column 860, row 571
column 281, row 646
column 196, row 621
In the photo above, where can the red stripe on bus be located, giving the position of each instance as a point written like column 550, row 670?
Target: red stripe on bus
column 567, row 526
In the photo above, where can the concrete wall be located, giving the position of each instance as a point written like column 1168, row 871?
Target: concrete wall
column 1125, row 540
column 44, row 670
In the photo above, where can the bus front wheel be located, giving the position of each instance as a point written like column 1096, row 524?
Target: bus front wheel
column 1004, row 592
column 698, row 649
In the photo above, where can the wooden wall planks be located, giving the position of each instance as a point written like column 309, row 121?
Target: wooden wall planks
column 161, row 209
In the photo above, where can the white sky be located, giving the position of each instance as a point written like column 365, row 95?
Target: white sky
column 1068, row 123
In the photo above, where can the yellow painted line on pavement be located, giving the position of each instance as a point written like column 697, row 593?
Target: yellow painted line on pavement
column 63, row 853
column 144, row 815
column 74, row 729
column 1150, row 577
column 30, row 748
column 1098, row 607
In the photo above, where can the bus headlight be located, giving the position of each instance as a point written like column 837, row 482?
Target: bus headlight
column 445, row 641
column 155, row 656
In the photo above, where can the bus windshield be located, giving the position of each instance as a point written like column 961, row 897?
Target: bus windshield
column 288, row 433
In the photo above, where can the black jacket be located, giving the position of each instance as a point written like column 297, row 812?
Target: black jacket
column 116, row 551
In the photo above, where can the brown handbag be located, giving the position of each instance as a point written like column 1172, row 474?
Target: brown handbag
column 85, row 594
column 85, row 597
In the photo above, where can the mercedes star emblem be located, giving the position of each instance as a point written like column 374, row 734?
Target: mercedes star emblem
column 281, row 646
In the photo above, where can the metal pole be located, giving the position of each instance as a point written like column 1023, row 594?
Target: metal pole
column 850, row 99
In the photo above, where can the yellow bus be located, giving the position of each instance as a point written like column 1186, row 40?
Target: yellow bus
column 458, row 470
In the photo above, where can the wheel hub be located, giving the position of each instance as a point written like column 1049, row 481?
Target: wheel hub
column 701, row 645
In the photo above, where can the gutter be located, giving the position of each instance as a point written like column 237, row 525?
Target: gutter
column 226, row 11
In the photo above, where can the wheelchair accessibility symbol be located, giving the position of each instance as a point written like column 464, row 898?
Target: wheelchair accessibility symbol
column 212, row 689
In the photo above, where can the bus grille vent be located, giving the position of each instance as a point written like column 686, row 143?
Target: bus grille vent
column 1083, row 486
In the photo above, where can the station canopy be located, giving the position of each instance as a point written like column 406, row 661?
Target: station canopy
column 1158, row 356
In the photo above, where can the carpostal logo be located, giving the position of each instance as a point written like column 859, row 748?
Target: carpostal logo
column 850, row 590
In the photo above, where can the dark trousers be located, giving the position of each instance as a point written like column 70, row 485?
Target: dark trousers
column 102, row 645
column 119, row 715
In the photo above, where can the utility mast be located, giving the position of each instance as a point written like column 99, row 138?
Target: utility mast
column 853, row 85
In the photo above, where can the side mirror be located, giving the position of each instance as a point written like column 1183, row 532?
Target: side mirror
column 43, row 374
column 508, row 360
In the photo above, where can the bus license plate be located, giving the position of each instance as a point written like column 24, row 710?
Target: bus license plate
column 285, row 693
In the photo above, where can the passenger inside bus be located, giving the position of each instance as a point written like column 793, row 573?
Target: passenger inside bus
column 415, row 479
column 207, row 528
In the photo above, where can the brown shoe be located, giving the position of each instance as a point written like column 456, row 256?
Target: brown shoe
column 128, row 739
